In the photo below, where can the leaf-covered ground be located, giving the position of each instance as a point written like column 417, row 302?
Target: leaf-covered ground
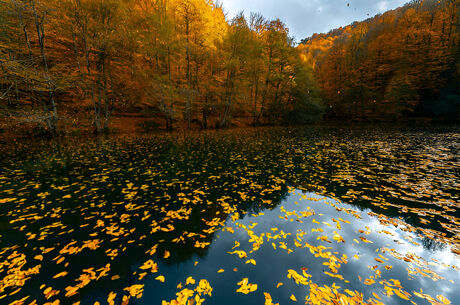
column 261, row 216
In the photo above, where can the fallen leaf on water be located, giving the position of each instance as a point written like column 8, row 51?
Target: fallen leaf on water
column 268, row 299
column 246, row 287
column 443, row 299
column 62, row 274
column 160, row 278
column 190, row 281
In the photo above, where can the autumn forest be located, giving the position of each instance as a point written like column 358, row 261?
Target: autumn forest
column 186, row 64
column 173, row 152
column 402, row 63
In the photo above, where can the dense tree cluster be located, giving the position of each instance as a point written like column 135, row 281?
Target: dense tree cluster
column 185, row 63
column 180, row 60
column 402, row 63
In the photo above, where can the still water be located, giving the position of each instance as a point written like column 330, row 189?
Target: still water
column 264, row 216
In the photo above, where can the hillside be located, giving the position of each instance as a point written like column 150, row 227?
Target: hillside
column 402, row 63
column 168, row 64
column 181, row 63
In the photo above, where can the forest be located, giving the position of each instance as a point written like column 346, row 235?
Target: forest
column 403, row 63
column 186, row 64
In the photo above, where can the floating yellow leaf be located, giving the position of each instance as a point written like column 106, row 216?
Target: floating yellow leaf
column 62, row 274
column 268, row 299
column 135, row 290
column 246, row 287
column 240, row 253
column 369, row 281
column 443, row 299
column 376, row 295
column 364, row 239
column 160, row 278
column 400, row 294
column 190, row 281
column 111, row 298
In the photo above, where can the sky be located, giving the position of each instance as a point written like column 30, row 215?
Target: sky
column 305, row 17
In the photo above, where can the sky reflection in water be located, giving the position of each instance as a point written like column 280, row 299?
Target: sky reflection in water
column 272, row 265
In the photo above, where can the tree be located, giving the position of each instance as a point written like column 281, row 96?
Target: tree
column 181, row 61
column 404, row 60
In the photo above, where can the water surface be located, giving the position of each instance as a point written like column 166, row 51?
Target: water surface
column 313, row 215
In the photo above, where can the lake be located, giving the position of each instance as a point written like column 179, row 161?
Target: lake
column 312, row 215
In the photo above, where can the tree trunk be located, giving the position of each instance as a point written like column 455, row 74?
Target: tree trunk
column 224, row 118
column 204, row 120
column 108, row 107
column 100, row 92
column 51, row 121
column 188, row 105
column 256, row 95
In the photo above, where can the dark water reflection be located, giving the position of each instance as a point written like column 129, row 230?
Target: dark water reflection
column 272, row 265
column 124, row 196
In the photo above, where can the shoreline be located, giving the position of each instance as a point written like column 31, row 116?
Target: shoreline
column 13, row 129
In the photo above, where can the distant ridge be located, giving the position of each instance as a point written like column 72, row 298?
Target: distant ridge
column 404, row 62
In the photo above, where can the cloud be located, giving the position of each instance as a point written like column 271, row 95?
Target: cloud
column 382, row 6
column 305, row 17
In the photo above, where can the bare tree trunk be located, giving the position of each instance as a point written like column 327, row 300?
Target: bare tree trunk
column 107, row 106
column 225, row 119
column 98, row 104
column 169, row 124
column 16, row 90
column 6, row 93
column 51, row 122
column 188, row 105
column 204, row 112
column 75, row 52
column 23, row 26
column 224, row 112
column 93, row 99
column 256, row 95
column 262, row 103
column 265, row 91
column 82, row 23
